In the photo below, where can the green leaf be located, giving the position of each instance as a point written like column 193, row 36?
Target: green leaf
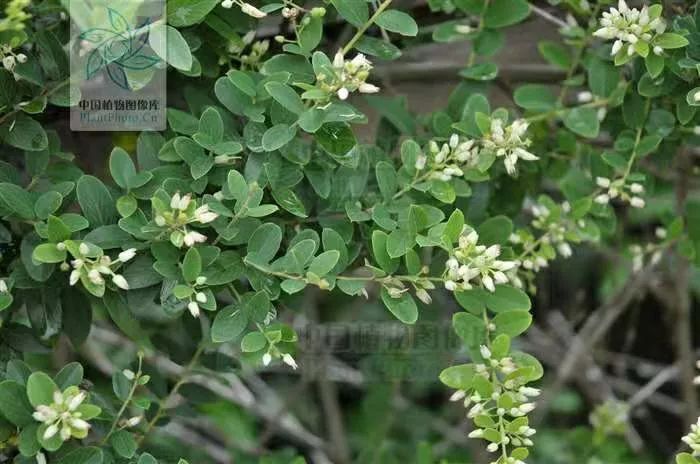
column 324, row 263
column 252, row 342
column 670, row 40
column 48, row 203
column 264, row 243
column 337, row 139
column 183, row 13
column 356, row 12
column 603, row 77
column 502, row 13
column 507, row 298
column 211, row 126
column 379, row 249
column 583, row 121
column 122, row 167
column 459, row 377
column 480, row 72
column 397, row 21
column 278, row 136
column 28, row 443
column 84, row 455
column 403, row 308
column 24, row 133
column 243, row 82
column 14, row 405
column 512, row 323
column 40, row 389
column 386, row 179
column 685, row 458
column 285, row 96
column 169, row 45
column 49, row 253
column 70, row 375
column 495, row 230
column 534, row 97
column 398, row 243
column 229, row 324
column 123, row 443
column 555, row 54
column 470, row 328
column 95, row 201
column 14, row 198
column 191, row 265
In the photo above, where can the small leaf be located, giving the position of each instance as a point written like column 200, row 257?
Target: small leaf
column 403, row 308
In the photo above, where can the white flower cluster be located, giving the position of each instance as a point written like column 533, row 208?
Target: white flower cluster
column 693, row 438
column 246, row 8
column 183, row 211
column 619, row 188
column 10, row 58
column 62, row 416
column 653, row 250
column 509, row 142
column 286, row 358
column 3, row 286
column 93, row 266
column 470, row 262
column 198, row 297
column 448, row 160
column 348, row 76
column 633, row 30
column 505, row 409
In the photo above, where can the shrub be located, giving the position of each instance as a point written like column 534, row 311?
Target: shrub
column 208, row 236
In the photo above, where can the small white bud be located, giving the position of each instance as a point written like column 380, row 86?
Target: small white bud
column 127, row 255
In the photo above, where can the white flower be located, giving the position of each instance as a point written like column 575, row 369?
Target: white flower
column 602, row 182
column 203, row 215
column 201, row 280
column 120, row 281
column 193, row 237
column 637, row 202
column 184, row 202
column 201, row 297
column 250, row 10
column 193, row 308
column 9, row 62
column 289, row 360
column 485, row 352
column 526, row 407
column 637, row 188
column 450, row 285
column 74, row 277
column 83, row 249
column 3, row 286
column 343, row 93
column 227, row 3
column 602, row 199
column 127, row 255
column 565, row 249
column 134, row 421
column 584, row 97
column 266, row 359
column 368, row 88
column 21, row 58
column 175, row 201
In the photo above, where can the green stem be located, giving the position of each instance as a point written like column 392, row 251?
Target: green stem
column 128, row 399
column 361, row 31
column 164, row 402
